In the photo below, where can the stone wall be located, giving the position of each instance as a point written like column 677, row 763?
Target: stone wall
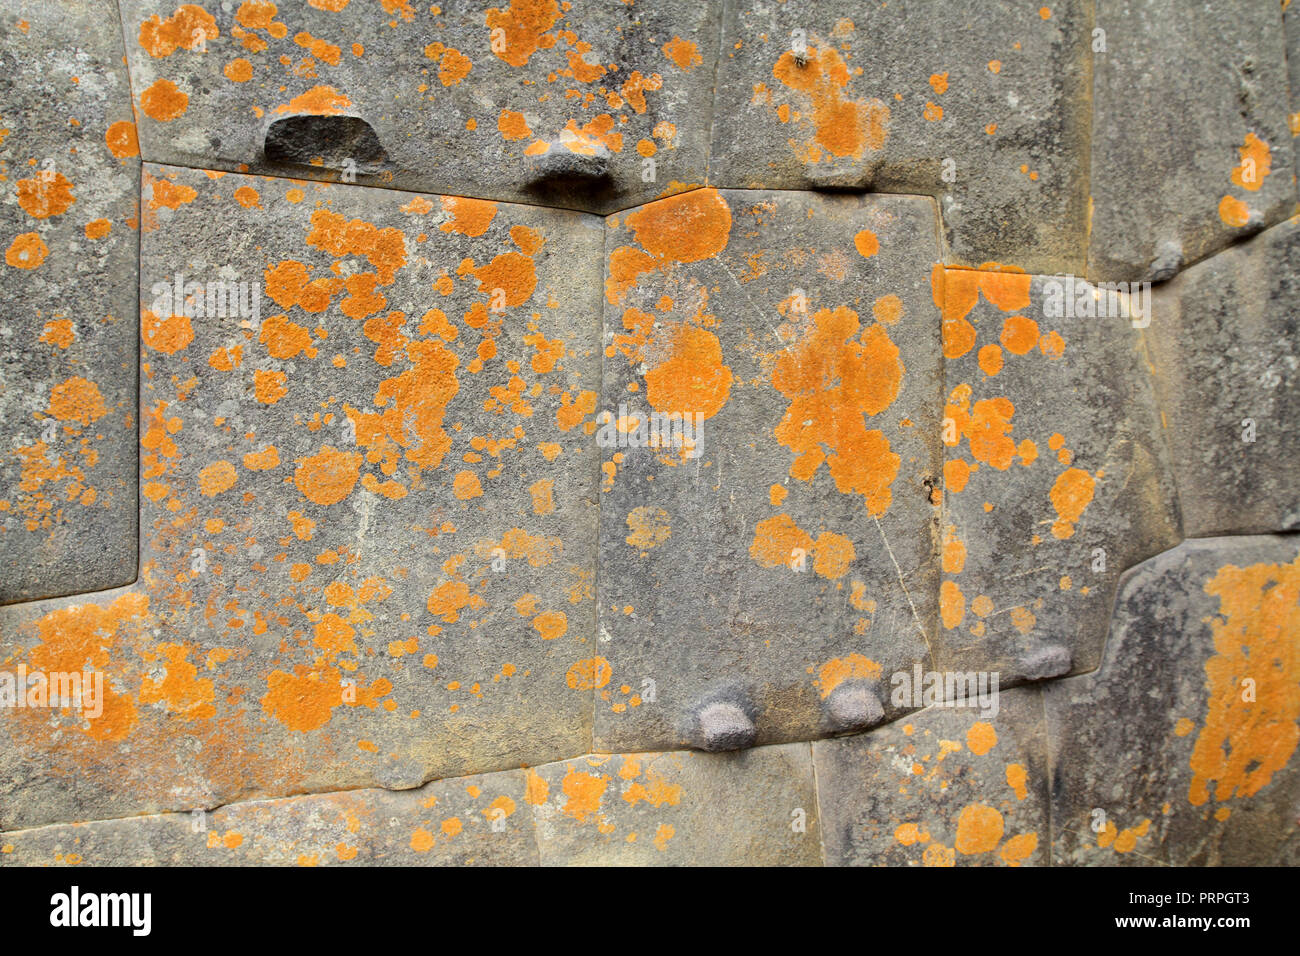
column 649, row 431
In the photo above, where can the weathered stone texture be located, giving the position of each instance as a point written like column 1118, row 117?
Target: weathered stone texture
column 792, row 552
column 596, row 107
column 982, row 105
column 1191, row 148
column 1179, row 749
column 71, row 174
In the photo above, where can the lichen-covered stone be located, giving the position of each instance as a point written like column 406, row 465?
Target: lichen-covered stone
column 982, row 105
column 1057, row 478
column 754, row 808
column 368, row 506
column 1226, row 345
column 948, row 786
column 71, row 174
column 1180, row 749
column 1191, row 148
column 478, row 820
column 594, row 106
column 784, row 545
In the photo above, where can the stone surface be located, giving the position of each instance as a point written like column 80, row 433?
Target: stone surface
column 71, row 173
column 755, row 808
column 1159, row 757
column 983, row 105
column 1226, row 345
column 792, row 552
column 947, row 786
column 514, row 101
column 1056, row 477
column 478, row 820
column 368, row 511
column 1191, row 148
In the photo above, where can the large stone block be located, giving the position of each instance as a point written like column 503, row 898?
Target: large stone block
column 1181, row 749
column 964, row 785
column 760, row 576
column 1191, row 148
column 1057, row 477
column 596, row 107
column 757, row 808
column 68, row 224
column 369, row 514
column 1226, row 344
column 479, row 820
column 982, row 105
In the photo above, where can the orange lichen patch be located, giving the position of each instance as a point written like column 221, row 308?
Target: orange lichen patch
column 284, row 339
column 866, row 243
column 59, row 333
column 469, row 217
column 1122, row 841
column 954, row 552
column 269, row 386
column 164, row 101
column 98, row 228
column 648, row 527
column 850, row 667
column 238, row 70
column 45, row 195
column 955, row 474
column 990, row 360
column 833, row 555
column 304, row 700
column 1019, row 848
column 979, row 829
column 264, row 460
column 887, row 309
column 385, row 249
column 956, row 291
column 179, row 690
column 217, row 477
column 318, row 101
column 1070, row 495
column 626, row 264
column 513, row 126
column 582, row 793
column 1256, row 163
column 909, row 834
column 939, row 83
column 77, row 400
column 987, row 426
column 189, row 28
column 512, row 273
column 688, row 227
column 319, row 48
column 551, row 624
column 519, row 31
column 1019, row 334
column 981, row 738
column 592, row 673
column 832, row 378
column 683, row 53
column 1052, row 345
column 842, row 127
column 932, row 113
column 466, row 486
column 27, row 251
column 120, row 138
column 1233, row 212
column 168, row 335
column 779, row 542
column 328, row 476
column 167, row 194
column 692, row 380
column 247, row 197
column 656, row 791
column 936, row 854
column 952, row 604
column 1243, row 742
column 81, row 637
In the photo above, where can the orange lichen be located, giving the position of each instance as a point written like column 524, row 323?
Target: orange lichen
column 328, row 476
column 979, row 829
column 687, row 227
column 842, row 127
column 1070, row 495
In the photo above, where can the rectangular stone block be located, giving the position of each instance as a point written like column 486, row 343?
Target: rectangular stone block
column 981, row 105
column 368, row 492
column 1181, row 749
column 1191, row 148
column 596, row 107
column 756, row 808
column 1225, row 346
column 782, row 546
column 948, row 786
column 68, row 509
column 1057, row 475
